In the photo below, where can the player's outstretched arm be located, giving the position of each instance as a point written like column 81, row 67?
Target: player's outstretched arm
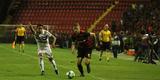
column 25, row 33
column 100, row 36
column 92, row 34
column 32, row 29
column 54, row 40
column 95, row 38
column 110, row 37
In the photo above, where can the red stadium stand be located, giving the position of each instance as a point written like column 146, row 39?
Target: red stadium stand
column 63, row 13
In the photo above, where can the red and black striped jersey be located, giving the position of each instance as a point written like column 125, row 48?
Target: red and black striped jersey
column 83, row 39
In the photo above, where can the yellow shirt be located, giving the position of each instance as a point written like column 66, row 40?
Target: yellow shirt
column 105, row 36
column 21, row 31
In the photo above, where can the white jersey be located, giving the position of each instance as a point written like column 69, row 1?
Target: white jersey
column 43, row 39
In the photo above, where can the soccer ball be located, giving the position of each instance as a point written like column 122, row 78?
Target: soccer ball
column 70, row 74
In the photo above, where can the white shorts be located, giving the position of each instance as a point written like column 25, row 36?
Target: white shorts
column 45, row 50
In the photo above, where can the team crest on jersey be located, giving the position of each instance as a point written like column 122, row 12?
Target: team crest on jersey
column 42, row 38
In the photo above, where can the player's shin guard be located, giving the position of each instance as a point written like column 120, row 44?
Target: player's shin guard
column 80, row 68
column 108, row 56
column 23, row 48
column 19, row 47
column 41, row 62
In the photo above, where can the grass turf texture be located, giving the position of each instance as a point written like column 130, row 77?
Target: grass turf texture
column 24, row 66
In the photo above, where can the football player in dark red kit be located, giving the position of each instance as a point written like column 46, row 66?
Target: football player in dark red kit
column 81, row 40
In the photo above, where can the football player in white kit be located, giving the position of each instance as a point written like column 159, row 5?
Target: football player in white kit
column 42, row 38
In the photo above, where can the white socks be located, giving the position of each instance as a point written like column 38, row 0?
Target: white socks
column 41, row 62
column 54, row 64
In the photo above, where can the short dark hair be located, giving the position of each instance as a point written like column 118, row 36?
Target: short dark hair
column 39, row 26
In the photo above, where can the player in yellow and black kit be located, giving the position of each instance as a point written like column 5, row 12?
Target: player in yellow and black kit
column 105, row 41
column 20, row 36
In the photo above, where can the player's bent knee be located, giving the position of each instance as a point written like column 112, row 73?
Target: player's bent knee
column 78, row 62
column 40, row 58
column 50, row 58
column 87, row 61
column 40, row 55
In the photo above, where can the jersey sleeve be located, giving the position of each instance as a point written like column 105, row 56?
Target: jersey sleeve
column 48, row 33
column 100, row 35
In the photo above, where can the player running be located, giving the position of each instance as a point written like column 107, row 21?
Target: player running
column 80, row 40
column 105, row 41
column 42, row 38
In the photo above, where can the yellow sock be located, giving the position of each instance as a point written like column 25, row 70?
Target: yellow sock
column 108, row 56
column 23, row 46
column 20, row 47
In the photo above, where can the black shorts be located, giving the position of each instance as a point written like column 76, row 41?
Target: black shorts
column 105, row 46
column 20, row 39
column 84, row 52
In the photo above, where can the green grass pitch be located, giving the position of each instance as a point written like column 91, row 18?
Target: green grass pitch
column 24, row 66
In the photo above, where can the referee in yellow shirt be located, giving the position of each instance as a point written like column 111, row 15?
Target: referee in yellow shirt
column 105, row 41
column 20, row 36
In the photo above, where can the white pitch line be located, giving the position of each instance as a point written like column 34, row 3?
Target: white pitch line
column 33, row 57
column 95, row 77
